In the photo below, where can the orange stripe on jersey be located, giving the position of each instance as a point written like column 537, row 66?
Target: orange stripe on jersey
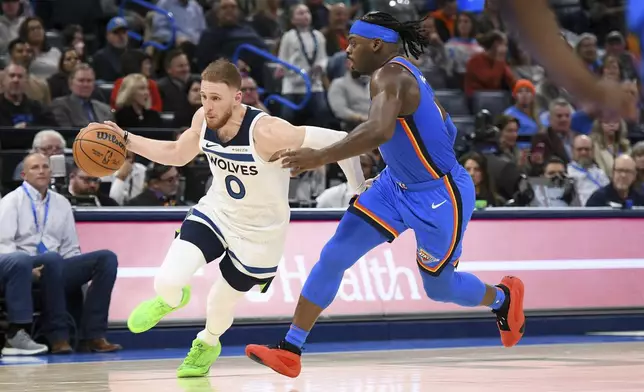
column 421, row 152
column 455, row 200
column 375, row 218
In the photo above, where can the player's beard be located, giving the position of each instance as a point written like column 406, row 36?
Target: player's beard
column 221, row 120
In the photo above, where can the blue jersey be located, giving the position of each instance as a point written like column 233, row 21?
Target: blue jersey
column 422, row 147
column 423, row 187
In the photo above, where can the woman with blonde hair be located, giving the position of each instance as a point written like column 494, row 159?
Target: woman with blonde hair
column 133, row 104
column 609, row 141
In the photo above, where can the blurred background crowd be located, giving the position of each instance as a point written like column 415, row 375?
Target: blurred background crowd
column 523, row 139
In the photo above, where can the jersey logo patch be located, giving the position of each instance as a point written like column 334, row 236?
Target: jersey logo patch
column 425, row 256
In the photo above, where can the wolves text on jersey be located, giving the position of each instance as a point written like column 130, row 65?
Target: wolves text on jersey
column 233, row 167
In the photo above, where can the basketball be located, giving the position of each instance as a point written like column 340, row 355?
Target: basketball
column 99, row 151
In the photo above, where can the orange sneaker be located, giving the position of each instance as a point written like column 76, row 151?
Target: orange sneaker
column 510, row 317
column 285, row 358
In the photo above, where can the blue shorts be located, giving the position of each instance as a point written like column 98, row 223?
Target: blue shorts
column 438, row 212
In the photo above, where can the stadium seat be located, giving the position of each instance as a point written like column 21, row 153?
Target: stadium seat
column 494, row 101
column 106, row 90
column 55, row 39
column 465, row 127
column 453, row 101
column 167, row 120
column 271, row 84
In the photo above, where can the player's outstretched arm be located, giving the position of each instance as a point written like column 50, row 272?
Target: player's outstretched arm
column 537, row 28
column 171, row 153
column 387, row 91
column 274, row 136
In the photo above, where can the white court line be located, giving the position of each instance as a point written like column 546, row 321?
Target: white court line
column 551, row 265
column 471, row 266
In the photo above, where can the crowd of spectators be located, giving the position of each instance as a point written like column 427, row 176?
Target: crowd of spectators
column 522, row 138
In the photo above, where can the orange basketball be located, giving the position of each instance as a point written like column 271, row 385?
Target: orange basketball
column 99, row 151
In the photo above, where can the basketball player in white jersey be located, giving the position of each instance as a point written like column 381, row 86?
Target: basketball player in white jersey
column 245, row 214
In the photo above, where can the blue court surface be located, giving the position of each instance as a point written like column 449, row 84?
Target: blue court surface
column 344, row 347
column 610, row 362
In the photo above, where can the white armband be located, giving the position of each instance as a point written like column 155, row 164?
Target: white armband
column 317, row 138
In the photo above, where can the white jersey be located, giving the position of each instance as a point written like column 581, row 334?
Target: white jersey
column 248, row 196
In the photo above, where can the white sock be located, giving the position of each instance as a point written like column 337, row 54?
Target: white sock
column 181, row 262
column 222, row 300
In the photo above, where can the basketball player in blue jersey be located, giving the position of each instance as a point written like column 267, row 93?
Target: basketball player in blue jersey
column 423, row 188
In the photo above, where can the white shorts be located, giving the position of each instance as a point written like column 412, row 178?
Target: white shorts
column 253, row 255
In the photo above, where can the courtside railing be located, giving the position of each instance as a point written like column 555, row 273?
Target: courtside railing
column 276, row 97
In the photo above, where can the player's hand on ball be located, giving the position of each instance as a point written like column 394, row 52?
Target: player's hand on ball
column 301, row 160
column 114, row 127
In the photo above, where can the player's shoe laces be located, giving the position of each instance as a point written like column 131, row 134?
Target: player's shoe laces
column 199, row 359
column 284, row 358
column 510, row 317
column 150, row 312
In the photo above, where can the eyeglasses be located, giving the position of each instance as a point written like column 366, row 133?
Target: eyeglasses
column 625, row 171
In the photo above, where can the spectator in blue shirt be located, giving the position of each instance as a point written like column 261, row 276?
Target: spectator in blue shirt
column 38, row 229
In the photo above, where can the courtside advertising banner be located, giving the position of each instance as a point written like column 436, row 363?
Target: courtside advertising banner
column 564, row 263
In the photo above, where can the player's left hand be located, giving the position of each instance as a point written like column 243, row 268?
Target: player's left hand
column 301, row 160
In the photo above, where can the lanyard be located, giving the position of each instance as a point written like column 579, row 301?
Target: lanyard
column 35, row 213
column 585, row 171
column 310, row 60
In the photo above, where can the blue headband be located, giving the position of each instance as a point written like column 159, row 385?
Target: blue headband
column 372, row 31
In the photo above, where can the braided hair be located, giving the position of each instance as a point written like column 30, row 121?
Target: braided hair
column 411, row 35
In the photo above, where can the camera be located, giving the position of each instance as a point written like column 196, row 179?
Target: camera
column 484, row 136
column 562, row 181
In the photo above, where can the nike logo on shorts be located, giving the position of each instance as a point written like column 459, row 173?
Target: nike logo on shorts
column 435, row 206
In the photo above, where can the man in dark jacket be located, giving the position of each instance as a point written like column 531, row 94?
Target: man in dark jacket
column 620, row 193
column 107, row 61
column 162, row 190
column 223, row 39
column 16, row 110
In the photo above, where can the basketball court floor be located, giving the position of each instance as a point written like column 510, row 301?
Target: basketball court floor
column 590, row 364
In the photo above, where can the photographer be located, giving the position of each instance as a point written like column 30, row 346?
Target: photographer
column 554, row 189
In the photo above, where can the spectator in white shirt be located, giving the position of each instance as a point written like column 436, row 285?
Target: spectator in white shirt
column 584, row 171
column 128, row 182
column 349, row 99
column 38, row 229
column 305, row 48
column 340, row 195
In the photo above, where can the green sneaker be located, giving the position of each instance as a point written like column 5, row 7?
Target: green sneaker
column 199, row 359
column 150, row 312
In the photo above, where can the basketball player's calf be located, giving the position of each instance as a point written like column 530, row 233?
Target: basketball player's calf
column 222, row 300
column 465, row 289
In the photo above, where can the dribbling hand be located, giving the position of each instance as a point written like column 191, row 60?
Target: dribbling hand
column 113, row 126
